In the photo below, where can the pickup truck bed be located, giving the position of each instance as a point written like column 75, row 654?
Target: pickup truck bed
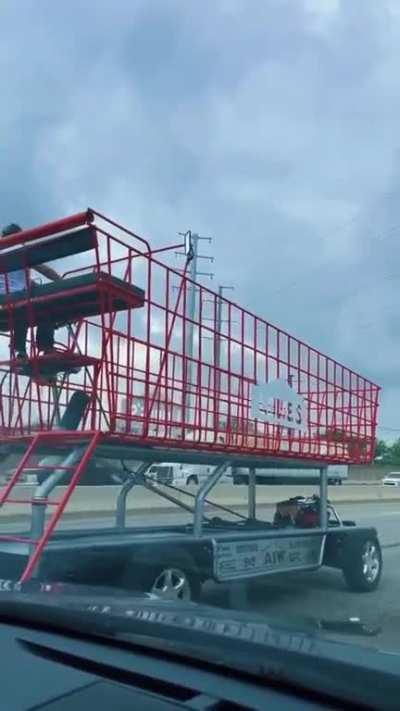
column 225, row 551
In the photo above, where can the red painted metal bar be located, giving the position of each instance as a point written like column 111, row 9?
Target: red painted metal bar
column 10, row 485
column 144, row 359
column 177, row 273
column 51, row 228
column 167, row 342
column 17, row 539
column 120, row 227
column 61, row 506
column 48, row 502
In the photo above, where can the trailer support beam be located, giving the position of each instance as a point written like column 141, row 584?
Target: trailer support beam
column 134, row 478
column 209, row 484
column 323, row 498
column 252, row 494
column 39, row 501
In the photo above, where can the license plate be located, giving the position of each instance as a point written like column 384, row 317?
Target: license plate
column 237, row 559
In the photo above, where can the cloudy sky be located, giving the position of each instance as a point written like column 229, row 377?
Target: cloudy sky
column 272, row 125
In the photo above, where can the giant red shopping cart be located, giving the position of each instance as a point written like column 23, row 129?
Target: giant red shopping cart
column 144, row 359
column 158, row 372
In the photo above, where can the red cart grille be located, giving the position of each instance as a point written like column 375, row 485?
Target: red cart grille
column 158, row 363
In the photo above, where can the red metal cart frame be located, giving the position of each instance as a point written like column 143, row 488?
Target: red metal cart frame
column 157, row 373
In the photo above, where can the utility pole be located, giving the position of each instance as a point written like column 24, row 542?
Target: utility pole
column 218, row 340
column 191, row 307
column 219, row 323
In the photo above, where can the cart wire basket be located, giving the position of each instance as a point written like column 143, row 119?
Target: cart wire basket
column 154, row 359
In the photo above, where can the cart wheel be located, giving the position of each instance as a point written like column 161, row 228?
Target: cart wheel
column 363, row 568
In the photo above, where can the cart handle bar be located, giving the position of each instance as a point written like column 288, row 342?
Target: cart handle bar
column 51, row 228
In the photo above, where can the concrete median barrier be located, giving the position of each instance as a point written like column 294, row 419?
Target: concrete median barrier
column 371, row 472
column 99, row 500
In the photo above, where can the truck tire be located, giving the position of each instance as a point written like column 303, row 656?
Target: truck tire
column 175, row 583
column 174, row 579
column 192, row 479
column 363, row 567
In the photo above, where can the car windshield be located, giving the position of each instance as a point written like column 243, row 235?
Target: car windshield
column 198, row 372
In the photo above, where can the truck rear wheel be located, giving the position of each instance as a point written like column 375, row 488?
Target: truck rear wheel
column 363, row 568
column 174, row 579
column 173, row 583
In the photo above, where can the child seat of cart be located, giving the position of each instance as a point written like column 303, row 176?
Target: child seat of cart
column 68, row 299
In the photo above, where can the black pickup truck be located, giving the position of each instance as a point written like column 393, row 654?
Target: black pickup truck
column 175, row 560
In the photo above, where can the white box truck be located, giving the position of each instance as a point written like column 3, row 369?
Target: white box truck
column 337, row 474
column 183, row 475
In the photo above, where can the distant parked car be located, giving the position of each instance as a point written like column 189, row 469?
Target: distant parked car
column 391, row 479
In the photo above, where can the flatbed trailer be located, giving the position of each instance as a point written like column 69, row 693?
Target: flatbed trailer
column 146, row 373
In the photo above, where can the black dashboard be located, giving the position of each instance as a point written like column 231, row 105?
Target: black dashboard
column 54, row 672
